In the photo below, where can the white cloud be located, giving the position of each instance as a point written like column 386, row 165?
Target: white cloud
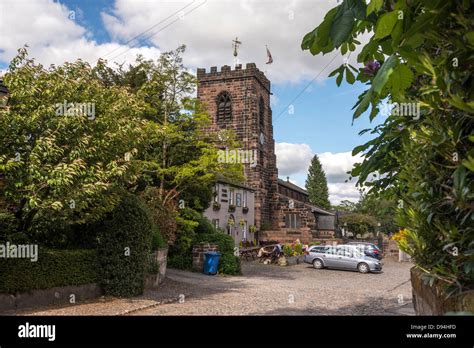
column 52, row 37
column 208, row 32
column 336, row 165
column 294, row 160
column 206, row 27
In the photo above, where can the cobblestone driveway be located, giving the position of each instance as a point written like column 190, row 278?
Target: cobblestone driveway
column 264, row 290
column 294, row 290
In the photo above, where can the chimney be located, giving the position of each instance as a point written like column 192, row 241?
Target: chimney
column 287, row 179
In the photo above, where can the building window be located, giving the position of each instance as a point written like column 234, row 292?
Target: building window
column 261, row 114
column 292, row 221
column 244, row 201
column 238, row 199
column 231, row 197
column 224, row 108
column 244, row 230
column 216, row 193
column 215, row 223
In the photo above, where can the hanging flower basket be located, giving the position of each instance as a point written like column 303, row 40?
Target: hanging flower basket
column 231, row 222
column 231, row 208
column 242, row 222
column 245, row 210
column 216, row 206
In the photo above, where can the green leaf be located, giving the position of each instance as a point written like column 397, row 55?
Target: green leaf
column 344, row 48
column 323, row 34
column 359, row 149
column 374, row 6
column 397, row 34
column 469, row 163
column 349, row 76
column 401, row 79
column 341, row 26
column 363, row 105
column 385, row 24
column 339, row 78
column 384, row 74
column 334, row 72
column 357, row 7
column 308, row 40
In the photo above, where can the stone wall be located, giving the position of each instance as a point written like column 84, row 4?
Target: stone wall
column 160, row 258
column 64, row 295
column 198, row 254
column 431, row 300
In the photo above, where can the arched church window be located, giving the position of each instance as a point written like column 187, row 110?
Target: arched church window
column 224, row 108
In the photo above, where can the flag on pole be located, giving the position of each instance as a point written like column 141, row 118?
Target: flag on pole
column 269, row 55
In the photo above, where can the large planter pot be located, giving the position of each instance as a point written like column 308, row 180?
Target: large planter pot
column 160, row 257
column 294, row 260
column 432, row 300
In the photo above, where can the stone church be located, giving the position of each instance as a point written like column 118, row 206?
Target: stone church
column 239, row 99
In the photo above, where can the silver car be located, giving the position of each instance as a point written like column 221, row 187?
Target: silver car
column 341, row 257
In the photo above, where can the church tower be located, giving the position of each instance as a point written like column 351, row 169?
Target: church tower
column 240, row 100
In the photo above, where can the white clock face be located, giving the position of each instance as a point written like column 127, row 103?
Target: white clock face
column 262, row 139
column 222, row 135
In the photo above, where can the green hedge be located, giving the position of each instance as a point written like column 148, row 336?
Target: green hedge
column 53, row 268
column 124, row 248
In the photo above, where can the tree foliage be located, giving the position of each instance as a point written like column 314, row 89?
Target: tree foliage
column 358, row 223
column 317, row 185
column 64, row 164
column 420, row 52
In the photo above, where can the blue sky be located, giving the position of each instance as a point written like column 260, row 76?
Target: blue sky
column 322, row 119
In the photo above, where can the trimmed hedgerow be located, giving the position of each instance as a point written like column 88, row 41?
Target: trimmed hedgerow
column 124, row 248
column 53, row 268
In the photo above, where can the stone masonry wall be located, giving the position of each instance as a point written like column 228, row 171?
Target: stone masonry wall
column 198, row 254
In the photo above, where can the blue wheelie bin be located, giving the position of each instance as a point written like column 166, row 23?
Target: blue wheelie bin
column 211, row 262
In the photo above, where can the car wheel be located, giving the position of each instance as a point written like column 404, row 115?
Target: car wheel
column 318, row 264
column 363, row 267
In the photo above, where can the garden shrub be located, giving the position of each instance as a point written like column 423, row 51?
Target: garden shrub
column 8, row 227
column 53, row 268
column 287, row 251
column 157, row 240
column 194, row 228
column 229, row 263
column 180, row 252
column 124, row 248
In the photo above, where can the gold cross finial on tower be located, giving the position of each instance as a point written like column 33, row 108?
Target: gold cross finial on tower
column 236, row 44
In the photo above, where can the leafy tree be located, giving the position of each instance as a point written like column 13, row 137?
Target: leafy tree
column 63, row 162
column 317, row 185
column 346, row 205
column 420, row 52
column 179, row 158
column 358, row 223
column 382, row 209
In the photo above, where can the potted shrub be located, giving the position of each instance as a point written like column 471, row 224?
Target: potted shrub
column 293, row 253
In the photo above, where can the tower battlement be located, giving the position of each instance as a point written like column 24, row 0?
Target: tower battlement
column 226, row 72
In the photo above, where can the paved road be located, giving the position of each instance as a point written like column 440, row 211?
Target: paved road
column 262, row 290
column 293, row 290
